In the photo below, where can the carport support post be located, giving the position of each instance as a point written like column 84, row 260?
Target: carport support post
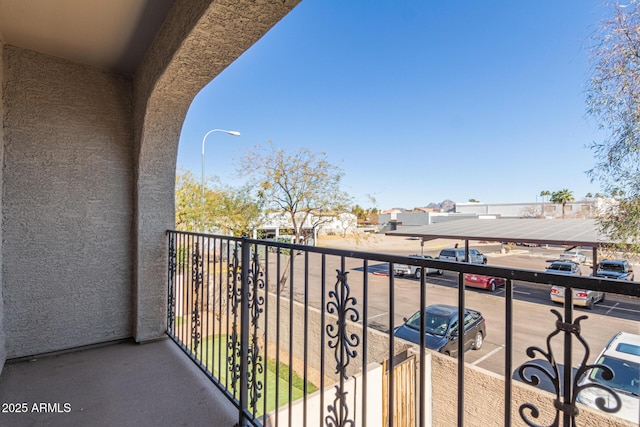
column 594, row 267
column 422, row 247
column 466, row 250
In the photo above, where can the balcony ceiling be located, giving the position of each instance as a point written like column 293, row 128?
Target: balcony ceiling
column 109, row 34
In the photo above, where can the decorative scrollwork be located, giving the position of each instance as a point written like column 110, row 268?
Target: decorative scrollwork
column 340, row 340
column 254, row 375
column 234, row 360
column 196, row 278
column 234, row 297
column 171, row 299
column 255, row 282
column 339, row 411
column 531, row 373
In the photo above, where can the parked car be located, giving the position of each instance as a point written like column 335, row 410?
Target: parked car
column 581, row 297
column 573, row 255
column 615, row 269
column 441, row 329
column 622, row 356
column 414, row 270
column 564, row 267
column 484, row 282
column 457, row 254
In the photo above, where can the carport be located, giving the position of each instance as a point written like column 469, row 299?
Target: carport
column 565, row 232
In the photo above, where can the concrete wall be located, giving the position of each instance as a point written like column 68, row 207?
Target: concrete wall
column 583, row 209
column 484, row 399
column 3, row 351
column 67, row 204
column 354, row 388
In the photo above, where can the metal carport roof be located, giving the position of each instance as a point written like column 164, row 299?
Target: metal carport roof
column 569, row 232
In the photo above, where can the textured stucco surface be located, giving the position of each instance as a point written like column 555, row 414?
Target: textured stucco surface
column 89, row 174
column 484, row 399
column 67, row 204
column 3, row 352
column 199, row 39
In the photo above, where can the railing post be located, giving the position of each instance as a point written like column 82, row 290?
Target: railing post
column 244, row 331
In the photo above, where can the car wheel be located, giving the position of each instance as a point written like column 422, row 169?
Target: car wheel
column 418, row 273
column 477, row 342
column 492, row 285
column 590, row 304
column 602, row 299
column 440, row 272
column 446, row 353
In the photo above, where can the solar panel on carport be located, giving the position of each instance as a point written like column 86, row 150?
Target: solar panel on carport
column 569, row 232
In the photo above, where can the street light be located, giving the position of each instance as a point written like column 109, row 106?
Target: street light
column 230, row 132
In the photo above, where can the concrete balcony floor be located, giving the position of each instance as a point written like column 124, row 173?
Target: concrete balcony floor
column 123, row 384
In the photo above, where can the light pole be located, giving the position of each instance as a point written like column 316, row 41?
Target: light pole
column 230, row 132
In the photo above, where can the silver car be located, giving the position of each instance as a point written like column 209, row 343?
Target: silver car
column 414, row 270
column 573, row 255
column 457, row 254
column 581, row 297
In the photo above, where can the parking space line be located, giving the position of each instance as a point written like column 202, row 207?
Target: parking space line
column 609, row 311
column 378, row 315
column 488, row 355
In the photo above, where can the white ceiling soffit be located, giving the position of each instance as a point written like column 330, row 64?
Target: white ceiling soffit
column 110, row 34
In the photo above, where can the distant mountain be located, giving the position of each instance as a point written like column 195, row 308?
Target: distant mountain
column 446, row 205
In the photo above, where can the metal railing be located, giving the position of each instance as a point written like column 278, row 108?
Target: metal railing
column 290, row 333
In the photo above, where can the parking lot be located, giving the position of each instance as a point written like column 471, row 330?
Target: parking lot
column 533, row 320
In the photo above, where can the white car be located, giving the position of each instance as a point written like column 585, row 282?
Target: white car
column 573, row 255
column 622, row 356
column 414, row 270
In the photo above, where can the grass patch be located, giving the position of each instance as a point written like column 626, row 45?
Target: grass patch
column 211, row 347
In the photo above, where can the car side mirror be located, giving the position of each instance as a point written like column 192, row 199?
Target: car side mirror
column 404, row 319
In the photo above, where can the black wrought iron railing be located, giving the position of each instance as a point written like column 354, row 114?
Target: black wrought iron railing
column 304, row 336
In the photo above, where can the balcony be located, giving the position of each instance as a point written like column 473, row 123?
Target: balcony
column 273, row 334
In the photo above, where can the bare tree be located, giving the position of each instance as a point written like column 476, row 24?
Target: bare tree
column 614, row 100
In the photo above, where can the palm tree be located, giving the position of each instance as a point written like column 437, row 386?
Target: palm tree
column 543, row 194
column 562, row 196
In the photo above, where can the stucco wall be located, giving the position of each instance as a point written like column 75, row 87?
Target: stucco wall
column 67, row 204
column 3, row 352
column 484, row 399
column 199, row 39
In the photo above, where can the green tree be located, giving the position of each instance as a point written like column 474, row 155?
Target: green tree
column 562, row 197
column 359, row 212
column 226, row 209
column 234, row 211
column 296, row 184
column 188, row 202
column 614, row 100
column 474, row 201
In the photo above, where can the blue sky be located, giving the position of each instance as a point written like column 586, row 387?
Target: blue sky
column 416, row 101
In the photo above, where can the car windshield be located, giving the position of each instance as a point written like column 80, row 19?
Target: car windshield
column 626, row 376
column 435, row 325
column 612, row 266
column 560, row 267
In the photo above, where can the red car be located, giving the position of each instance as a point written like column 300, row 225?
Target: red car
column 484, row 282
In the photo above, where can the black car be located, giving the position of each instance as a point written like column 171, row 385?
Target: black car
column 615, row 269
column 441, row 329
